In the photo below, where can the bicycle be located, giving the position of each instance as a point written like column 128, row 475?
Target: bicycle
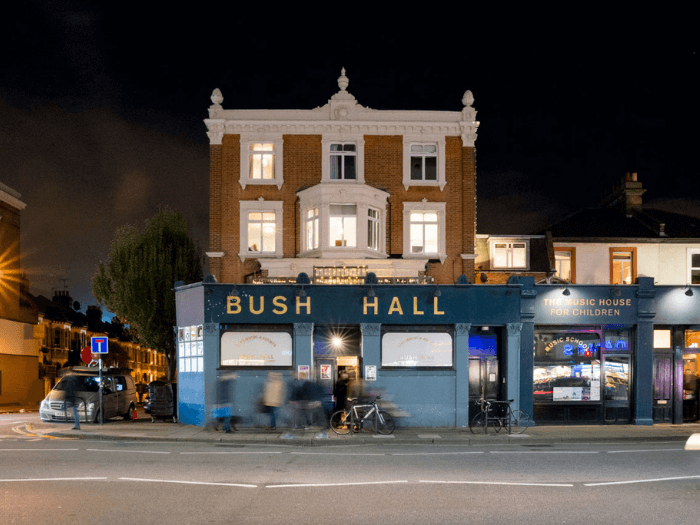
column 499, row 414
column 343, row 421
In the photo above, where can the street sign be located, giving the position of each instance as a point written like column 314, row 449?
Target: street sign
column 86, row 355
column 99, row 345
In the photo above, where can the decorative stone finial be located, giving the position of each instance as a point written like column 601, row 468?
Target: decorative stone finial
column 468, row 98
column 216, row 97
column 343, row 80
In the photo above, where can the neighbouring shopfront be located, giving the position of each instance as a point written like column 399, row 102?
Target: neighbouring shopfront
column 566, row 355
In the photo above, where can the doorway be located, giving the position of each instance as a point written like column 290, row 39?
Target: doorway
column 662, row 407
column 337, row 352
column 483, row 381
column 616, row 381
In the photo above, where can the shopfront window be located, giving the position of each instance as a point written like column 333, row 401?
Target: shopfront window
column 692, row 338
column 567, row 367
column 417, row 349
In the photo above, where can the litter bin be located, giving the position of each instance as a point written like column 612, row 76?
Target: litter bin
column 162, row 400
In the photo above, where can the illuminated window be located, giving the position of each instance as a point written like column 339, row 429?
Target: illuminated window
column 343, row 225
column 662, row 339
column 565, row 263
column 312, row 232
column 622, row 265
column 423, row 162
column 694, row 267
column 343, row 161
column 507, row 254
column 424, row 229
column 262, row 161
column 260, row 229
column 424, row 232
column 692, row 339
column 373, row 229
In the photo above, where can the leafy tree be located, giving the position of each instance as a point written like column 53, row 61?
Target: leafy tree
column 137, row 282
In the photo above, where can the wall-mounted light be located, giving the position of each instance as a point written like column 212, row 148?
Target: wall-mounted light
column 437, row 292
column 371, row 292
column 234, row 292
column 689, row 291
column 301, row 292
column 615, row 292
column 566, row 292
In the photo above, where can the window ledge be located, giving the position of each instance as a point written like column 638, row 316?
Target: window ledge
column 441, row 183
column 441, row 256
column 260, row 182
column 253, row 255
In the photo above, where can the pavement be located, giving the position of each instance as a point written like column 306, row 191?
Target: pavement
column 144, row 429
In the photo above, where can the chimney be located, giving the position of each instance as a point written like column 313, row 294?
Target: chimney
column 63, row 298
column 627, row 195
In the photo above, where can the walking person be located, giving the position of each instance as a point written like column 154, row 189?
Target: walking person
column 224, row 400
column 71, row 398
column 274, row 394
column 340, row 393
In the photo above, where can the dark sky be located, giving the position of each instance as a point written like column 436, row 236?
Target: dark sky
column 102, row 103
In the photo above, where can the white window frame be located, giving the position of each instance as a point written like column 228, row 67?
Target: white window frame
column 313, row 223
column 359, row 142
column 437, row 207
column 246, row 207
column 510, row 241
column 691, row 252
column 364, row 197
column 409, row 141
column 344, row 217
column 374, row 224
column 277, row 142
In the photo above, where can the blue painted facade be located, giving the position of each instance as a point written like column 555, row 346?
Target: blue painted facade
column 433, row 396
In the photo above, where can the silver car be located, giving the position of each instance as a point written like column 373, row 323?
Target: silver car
column 118, row 396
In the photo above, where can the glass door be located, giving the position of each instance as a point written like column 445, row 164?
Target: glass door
column 616, row 378
column 483, row 382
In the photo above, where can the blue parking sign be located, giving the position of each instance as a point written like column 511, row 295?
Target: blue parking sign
column 99, row 345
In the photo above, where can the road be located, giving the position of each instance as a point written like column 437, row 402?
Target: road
column 81, row 481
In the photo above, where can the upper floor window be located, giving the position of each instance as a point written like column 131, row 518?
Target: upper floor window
column 312, row 229
column 373, row 229
column 343, row 161
column 694, row 267
column 343, row 225
column 565, row 263
column 423, row 162
column 424, row 229
column 509, row 254
column 260, row 229
column 343, row 158
column 261, row 160
column 623, row 267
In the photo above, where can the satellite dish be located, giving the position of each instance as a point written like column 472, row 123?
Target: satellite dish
column 76, row 305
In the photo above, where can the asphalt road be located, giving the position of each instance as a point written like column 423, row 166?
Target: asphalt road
column 46, row 480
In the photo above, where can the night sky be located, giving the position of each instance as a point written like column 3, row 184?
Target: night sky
column 102, row 106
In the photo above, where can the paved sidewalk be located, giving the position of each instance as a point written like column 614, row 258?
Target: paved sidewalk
column 143, row 429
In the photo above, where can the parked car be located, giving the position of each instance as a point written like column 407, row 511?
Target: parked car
column 118, row 396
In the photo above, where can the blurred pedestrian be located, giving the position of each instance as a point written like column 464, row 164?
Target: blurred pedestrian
column 340, row 392
column 274, row 394
column 71, row 398
column 223, row 412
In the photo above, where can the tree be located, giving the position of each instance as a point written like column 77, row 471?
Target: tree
column 137, row 282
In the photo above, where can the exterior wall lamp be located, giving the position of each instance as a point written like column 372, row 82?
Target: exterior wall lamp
column 689, row 291
column 566, row 292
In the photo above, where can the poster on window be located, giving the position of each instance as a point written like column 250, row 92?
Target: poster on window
column 416, row 349
column 256, row 349
column 325, row 371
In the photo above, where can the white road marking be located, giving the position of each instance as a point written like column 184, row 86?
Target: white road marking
column 128, row 451
column 336, row 454
column 55, row 479
column 191, row 482
column 37, row 449
column 227, row 452
column 638, row 481
column 297, row 485
column 649, row 450
column 500, row 483
column 544, row 452
column 435, row 453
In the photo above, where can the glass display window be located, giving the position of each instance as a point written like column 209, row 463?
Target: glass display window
column 567, row 366
column 617, row 341
column 692, row 338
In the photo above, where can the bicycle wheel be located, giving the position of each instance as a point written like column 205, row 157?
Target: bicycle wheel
column 385, row 423
column 519, row 422
column 341, row 422
column 478, row 423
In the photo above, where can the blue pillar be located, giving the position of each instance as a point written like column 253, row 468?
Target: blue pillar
column 512, row 358
column 644, row 352
column 371, row 345
column 528, row 295
column 304, row 346
column 462, row 374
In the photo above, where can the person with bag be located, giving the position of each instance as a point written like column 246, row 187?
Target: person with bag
column 274, row 394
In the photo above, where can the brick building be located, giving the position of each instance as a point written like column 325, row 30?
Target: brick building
column 342, row 190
